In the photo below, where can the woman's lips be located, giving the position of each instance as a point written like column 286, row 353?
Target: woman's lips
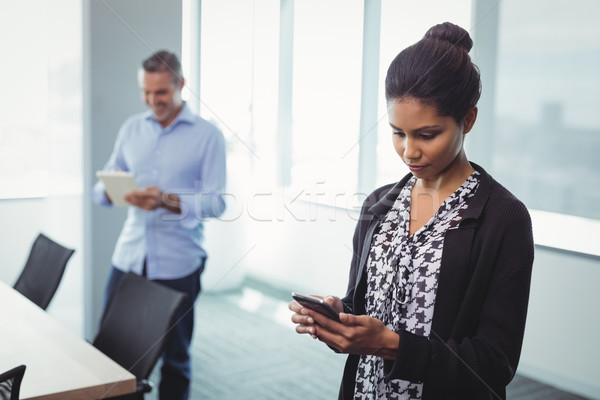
column 416, row 168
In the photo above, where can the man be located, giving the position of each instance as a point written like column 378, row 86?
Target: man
column 179, row 160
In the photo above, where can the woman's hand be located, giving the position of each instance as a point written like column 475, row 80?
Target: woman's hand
column 306, row 324
column 355, row 334
column 358, row 334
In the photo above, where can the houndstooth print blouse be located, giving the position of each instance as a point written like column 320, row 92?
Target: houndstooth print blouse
column 402, row 278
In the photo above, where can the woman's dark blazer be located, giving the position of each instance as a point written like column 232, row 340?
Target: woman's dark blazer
column 481, row 303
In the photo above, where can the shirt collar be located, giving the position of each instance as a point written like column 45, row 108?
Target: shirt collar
column 185, row 115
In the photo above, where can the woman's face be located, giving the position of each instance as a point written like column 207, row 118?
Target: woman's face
column 429, row 144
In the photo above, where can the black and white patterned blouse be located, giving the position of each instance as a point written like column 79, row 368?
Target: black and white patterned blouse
column 402, row 279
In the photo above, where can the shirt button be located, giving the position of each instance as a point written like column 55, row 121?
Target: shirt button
column 154, row 172
column 157, row 152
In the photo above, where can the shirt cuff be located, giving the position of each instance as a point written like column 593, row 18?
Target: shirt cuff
column 98, row 195
column 189, row 217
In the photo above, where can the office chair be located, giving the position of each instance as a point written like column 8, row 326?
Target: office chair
column 10, row 383
column 43, row 271
column 135, row 326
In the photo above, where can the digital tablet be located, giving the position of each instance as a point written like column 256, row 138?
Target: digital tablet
column 117, row 184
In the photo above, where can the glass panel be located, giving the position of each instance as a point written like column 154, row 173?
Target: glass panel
column 226, row 66
column 326, row 95
column 239, row 65
column 40, row 110
column 24, row 105
column 547, row 132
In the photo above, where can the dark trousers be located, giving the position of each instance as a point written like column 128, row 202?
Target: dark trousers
column 176, row 370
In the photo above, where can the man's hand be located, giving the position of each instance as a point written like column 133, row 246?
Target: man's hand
column 152, row 198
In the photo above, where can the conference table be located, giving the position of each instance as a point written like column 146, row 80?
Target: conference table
column 60, row 365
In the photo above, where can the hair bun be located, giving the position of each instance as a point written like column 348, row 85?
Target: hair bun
column 449, row 32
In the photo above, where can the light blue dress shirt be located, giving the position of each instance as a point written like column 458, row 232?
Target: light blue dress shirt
column 187, row 158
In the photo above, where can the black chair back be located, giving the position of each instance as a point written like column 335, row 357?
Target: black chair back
column 137, row 322
column 10, row 383
column 43, row 271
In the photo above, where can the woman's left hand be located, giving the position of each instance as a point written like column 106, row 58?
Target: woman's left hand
column 356, row 334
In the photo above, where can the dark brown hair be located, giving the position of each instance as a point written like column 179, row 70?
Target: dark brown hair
column 437, row 70
column 162, row 61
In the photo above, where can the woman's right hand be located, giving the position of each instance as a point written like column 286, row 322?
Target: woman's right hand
column 305, row 323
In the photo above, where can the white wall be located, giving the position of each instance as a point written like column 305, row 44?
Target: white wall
column 22, row 221
column 59, row 218
column 561, row 339
column 301, row 246
column 226, row 238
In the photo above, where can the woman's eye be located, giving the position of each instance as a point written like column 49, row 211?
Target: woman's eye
column 428, row 136
column 399, row 133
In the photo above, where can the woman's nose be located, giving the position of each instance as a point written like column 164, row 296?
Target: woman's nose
column 411, row 149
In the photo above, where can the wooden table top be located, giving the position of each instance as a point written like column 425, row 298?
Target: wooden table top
column 60, row 365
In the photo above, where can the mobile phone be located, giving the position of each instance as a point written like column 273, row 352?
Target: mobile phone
column 316, row 304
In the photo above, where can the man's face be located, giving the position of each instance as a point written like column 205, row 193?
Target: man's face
column 162, row 95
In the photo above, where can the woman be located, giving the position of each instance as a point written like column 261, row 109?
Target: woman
column 439, row 280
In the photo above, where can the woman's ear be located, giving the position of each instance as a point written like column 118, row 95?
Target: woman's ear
column 469, row 120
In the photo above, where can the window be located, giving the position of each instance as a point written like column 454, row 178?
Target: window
column 40, row 110
column 326, row 94
column 547, row 125
column 238, row 79
column 537, row 130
